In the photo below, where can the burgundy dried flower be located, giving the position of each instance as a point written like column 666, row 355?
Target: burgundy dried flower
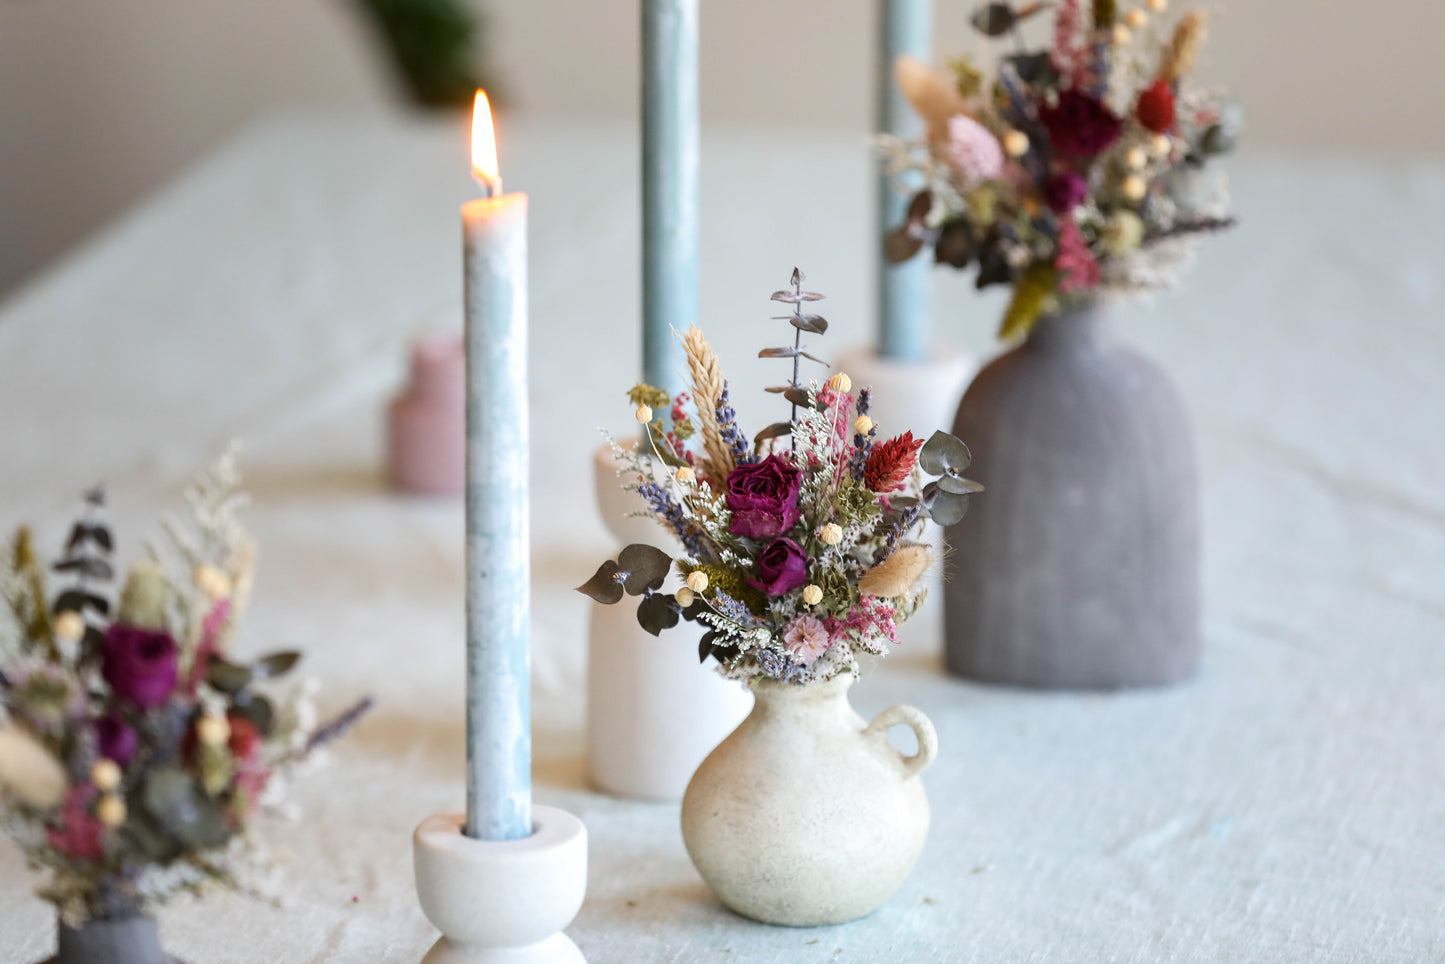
column 1065, row 191
column 763, row 498
column 1155, row 108
column 139, row 664
column 890, row 462
column 782, row 567
column 1080, row 125
column 116, row 740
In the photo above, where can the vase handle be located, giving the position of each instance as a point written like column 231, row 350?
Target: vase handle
column 922, row 728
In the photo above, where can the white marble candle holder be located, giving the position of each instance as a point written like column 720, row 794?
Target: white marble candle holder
column 502, row 901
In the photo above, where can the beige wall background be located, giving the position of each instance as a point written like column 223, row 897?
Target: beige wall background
column 102, row 101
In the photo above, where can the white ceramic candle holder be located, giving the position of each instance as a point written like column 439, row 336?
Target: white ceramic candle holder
column 502, row 901
column 653, row 713
column 919, row 397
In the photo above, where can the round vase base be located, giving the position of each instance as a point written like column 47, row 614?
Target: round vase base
column 557, row 949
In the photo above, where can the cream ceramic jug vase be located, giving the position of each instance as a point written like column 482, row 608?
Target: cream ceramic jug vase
column 805, row 814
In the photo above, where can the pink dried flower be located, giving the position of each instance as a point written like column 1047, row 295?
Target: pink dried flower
column 871, row 618
column 1068, row 53
column 1078, row 268
column 972, row 150
column 806, row 638
column 79, row 834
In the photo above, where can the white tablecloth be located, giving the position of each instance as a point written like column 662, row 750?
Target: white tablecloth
column 1285, row 806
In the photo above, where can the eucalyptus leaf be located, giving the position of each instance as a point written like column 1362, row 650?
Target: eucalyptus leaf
column 958, row 485
column 88, row 566
column 275, row 664
column 89, row 532
column 919, row 207
column 643, row 567
column 787, row 352
column 704, row 645
column 78, row 600
column 775, row 430
column 657, row 612
column 799, row 397
column 227, row 677
column 258, row 711
column 803, row 354
column 816, row 324
column 945, row 508
column 901, row 244
column 795, row 297
column 955, row 245
column 943, row 452
column 1035, row 68
column 604, row 586
column 993, row 19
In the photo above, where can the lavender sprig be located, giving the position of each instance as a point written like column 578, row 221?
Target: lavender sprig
column 340, row 725
column 731, row 609
column 665, row 507
column 732, row 436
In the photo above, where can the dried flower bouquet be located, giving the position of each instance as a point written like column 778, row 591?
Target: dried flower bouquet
column 136, row 749
column 1072, row 172
column 801, row 544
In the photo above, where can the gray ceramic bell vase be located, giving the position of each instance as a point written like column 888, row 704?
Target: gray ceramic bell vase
column 806, row 815
column 126, row 940
column 1078, row 567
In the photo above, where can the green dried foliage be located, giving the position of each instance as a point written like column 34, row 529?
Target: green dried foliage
column 26, row 594
column 644, row 394
column 433, row 46
column 1032, row 293
column 966, row 76
column 1105, row 13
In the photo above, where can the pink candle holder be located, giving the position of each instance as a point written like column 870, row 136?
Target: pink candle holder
column 426, row 437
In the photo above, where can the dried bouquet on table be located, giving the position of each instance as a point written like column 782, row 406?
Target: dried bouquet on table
column 136, row 747
column 1070, row 172
column 801, row 553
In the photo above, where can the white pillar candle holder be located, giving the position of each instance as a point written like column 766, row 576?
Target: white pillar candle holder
column 502, row 901
column 911, row 396
column 653, row 713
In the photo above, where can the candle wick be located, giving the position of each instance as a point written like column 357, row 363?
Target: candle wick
column 491, row 186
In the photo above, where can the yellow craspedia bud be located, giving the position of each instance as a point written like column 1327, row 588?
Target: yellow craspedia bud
column 1136, row 19
column 686, row 475
column 1158, row 6
column 1121, row 35
column 212, row 730
column 212, row 581
column 644, row 414
column 105, row 775
column 862, row 425
column 832, row 534
column 1135, row 187
column 685, row 597
column 812, row 595
column 841, row 383
column 1135, row 158
column 69, row 627
column 697, row 581
column 110, row 810
column 1162, row 145
column 1016, row 143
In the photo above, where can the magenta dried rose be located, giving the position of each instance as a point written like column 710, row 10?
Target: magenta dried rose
column 763, row 498
column 139, row 664
column 782, row 567
column 1080, row 125
column 115, row 739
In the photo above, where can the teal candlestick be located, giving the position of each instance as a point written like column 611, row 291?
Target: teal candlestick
column 669, row 185
column 905, row 27
column 499, row 737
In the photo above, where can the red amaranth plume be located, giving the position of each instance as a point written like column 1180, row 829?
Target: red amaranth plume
column 890, row 462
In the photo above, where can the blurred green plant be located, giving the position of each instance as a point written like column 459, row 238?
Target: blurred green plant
column 434, row 46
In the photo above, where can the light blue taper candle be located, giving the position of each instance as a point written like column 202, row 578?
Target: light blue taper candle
column 669, row 185
column 499, row 726
column 905, row 27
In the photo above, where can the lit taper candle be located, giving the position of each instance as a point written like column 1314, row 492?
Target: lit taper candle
column 669, row 184
column 905, row 27
column 499, row 737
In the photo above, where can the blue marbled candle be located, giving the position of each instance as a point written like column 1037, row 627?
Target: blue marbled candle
column 499, row 730
column 905, row 27
column 669, row 185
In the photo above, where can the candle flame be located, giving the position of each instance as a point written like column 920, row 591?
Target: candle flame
column 484, row 144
